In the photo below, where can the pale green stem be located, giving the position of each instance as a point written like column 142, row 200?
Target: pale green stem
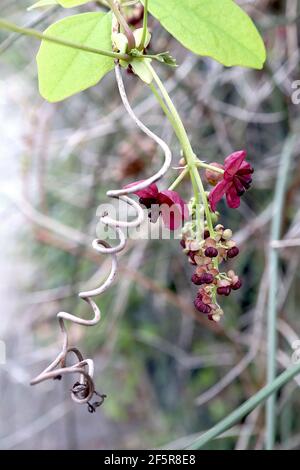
column 199, row 226
column 273, row 288
column 62, row 42
column 210, row 167
column 205, row 202
column 163, row 105
column 185, row 169
column 180, row 130
column 145, row 26
column 246, row 407
column 189, row 154
column 179, row 179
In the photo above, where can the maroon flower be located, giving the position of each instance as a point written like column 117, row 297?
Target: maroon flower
column 172, row 208
column 211, row 252
column 236, row 180
column 201, row 306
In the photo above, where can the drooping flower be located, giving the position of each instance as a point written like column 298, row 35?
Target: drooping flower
column 172, row 208
column 236, row 180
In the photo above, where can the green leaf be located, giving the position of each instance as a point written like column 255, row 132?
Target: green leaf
column 216, row 28
column 64, row 71
column 72, row 3
column 63, row 3
column 42, row 3
column 141, row 70
column 138, row 35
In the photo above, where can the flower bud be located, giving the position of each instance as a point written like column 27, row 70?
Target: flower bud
column 217, row 316
column 213, row 177
column 237, row 285
column 206, row 234
column 195, row 246
column 138, row 34
column 196, row 280
column 215, row 217
column 201, row 306
column 207, row 278
column 224, row 290
column 227, row 234
column 233, row 252
column 231, row 274
column 191, row 256
column 211, row 252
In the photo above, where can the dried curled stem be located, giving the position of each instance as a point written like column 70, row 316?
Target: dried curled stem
column 83, row 390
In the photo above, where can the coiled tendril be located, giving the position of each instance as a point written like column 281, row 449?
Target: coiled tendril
column 83, row 390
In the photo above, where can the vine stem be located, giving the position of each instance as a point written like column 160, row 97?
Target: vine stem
column 273, row 283
column 191, row 158
column 114, row 5
column 7, row 25
column 163, row 105
column 62, row 42
column 246, row 407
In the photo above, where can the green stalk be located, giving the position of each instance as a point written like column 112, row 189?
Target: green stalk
column 179, row 179
column 273, row 289
column 185, row 171
column 205, row 202
column 209, row 167
column 180, row 130
column 145, row 26
column 163, row 105
column 191, row 159
column 62, row 42
column 246, row 408
column 199, row 226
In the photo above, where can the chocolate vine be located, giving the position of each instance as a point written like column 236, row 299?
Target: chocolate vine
column 90, row 45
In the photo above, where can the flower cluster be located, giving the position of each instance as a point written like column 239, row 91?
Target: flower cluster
column 206, row 251
column 206, row 255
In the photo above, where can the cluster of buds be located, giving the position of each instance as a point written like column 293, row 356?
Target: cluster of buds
column 206, row 255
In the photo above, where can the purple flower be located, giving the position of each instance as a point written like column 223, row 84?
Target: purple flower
column 173, row 209
column 236, row 180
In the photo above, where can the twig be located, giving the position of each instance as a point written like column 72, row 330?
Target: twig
column 273, row 287
column 246, row 407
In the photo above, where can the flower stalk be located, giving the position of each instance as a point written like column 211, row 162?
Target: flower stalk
column 189, row 155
